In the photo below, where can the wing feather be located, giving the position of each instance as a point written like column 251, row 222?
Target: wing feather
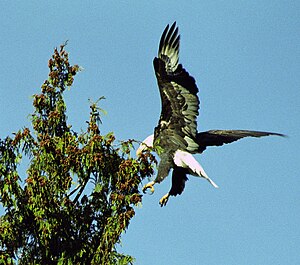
column 178, row 90
column 220, row 137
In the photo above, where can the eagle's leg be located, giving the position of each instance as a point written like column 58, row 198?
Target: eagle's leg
column 163, row 201
column 149, row 186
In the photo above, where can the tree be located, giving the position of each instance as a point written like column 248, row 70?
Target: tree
column 51, row 217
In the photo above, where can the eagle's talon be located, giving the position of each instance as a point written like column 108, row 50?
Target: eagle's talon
column 163, row 201
column 149, row 186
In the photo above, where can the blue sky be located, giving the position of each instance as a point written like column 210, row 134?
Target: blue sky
column 245, row 56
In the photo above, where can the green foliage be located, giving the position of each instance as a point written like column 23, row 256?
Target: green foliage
column 51, row 217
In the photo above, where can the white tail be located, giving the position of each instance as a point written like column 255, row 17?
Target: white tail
column 186, row 160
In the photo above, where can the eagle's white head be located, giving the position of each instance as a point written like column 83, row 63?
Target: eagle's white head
column 148, row 142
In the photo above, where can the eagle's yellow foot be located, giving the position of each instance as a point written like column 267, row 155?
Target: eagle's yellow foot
column 149, row 186
column 163, row 201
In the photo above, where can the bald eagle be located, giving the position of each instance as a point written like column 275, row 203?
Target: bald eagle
column 176, row 138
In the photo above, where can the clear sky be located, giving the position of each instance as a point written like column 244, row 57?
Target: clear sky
column 245, row 56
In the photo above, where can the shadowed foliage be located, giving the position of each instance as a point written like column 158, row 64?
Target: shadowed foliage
column 79, row 191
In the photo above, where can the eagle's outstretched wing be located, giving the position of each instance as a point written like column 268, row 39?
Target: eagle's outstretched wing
column 220, row 137
column 177, row 126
